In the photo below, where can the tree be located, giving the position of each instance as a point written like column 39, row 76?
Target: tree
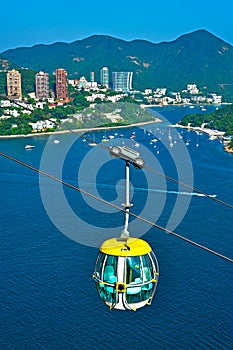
column 231, row 143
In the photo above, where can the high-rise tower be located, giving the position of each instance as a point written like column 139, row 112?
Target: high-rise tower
column 104, row 77
column 61, row 84
column 122, row 81
column 92, row 77
column 42, row 85
column 14, row 90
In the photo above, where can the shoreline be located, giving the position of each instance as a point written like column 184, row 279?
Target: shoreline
column 185, row 104
column 228, row 149
column 156, row 120
column 210, row 132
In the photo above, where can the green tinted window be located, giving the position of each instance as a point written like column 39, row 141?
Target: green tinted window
column 133, row 270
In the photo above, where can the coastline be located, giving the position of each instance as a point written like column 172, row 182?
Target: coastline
column 155, row 120
column 210, row 132
column 183, row 104
column 228, row 149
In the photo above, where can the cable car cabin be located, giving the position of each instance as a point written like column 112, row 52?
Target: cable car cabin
column 126, row 273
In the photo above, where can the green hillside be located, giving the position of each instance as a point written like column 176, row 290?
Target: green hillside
column 221, row 119
column 197, row 57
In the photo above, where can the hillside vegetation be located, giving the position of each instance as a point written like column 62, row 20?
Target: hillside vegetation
column 221, row 119
column 197, row 57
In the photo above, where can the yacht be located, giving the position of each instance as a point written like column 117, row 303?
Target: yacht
column 29, row 146
column 213, row 137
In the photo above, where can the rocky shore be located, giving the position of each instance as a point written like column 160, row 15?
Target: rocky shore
column 228, row 149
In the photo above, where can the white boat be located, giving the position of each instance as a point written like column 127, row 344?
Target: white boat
column 29, row 146
column 56, row 141
column 213, row 137
column 92, row 142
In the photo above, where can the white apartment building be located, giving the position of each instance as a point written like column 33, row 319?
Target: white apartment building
column 216, row 98
column 104, row 77
column 192, row 89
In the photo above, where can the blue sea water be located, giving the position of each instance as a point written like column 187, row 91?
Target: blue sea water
column 48, row 298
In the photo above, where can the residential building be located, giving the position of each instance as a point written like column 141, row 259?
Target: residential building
column 122, row 81
column 178, row 97
column 148, row 91
column 159, row 92
column 94, row 96
column 104, row 77
column 92, row 77
column 14, row 90
column 192, row 89
column 32, row 95
column 42, row 125
column 5, row 103
column 216, row 98
column 82, row 82
column 73, row 82
column 61, row 84
column 42, row 85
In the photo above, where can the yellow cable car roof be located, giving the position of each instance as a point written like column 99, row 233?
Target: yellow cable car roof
column 131, row 247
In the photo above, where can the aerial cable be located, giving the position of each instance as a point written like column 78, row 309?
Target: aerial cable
column 114, row 206
column 146, row 166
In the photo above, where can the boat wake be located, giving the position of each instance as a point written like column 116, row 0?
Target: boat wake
column 179, row 192
column 119, row 187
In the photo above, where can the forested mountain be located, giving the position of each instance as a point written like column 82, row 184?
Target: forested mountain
column 198, row 57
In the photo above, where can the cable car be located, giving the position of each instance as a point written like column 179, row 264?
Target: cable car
column 126, row 271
